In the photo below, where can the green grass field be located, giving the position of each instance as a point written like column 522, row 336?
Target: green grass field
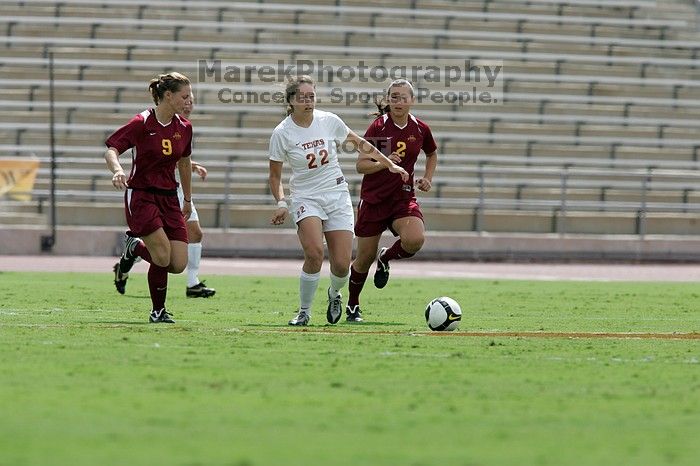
column 84, row 380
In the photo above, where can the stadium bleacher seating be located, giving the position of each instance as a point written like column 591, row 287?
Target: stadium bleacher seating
column 596, row 131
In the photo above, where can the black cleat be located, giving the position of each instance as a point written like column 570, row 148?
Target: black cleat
column 160, row 317
column 199, row 291
column 120, row 279
column 128, row 258
column 381, row 274
column 353, row 314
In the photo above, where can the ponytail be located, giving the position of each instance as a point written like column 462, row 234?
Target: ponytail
column 293, row 87
column 166, row 82
column 382, row 104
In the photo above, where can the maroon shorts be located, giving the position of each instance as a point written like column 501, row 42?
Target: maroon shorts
column 373, row 219
column 146, row 212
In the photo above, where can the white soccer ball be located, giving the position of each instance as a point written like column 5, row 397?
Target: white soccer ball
column 443, row 314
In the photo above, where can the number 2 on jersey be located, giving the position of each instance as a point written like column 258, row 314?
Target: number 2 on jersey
column 401, row 149
column 312, row 158
column 167, row 147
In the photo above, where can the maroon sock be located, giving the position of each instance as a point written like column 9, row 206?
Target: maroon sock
column 142, row 251
column 396, row 252
column 158, row 285
column 355, row 285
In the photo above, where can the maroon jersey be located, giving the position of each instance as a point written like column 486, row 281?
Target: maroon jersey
column 157, row 148
column 407, row 142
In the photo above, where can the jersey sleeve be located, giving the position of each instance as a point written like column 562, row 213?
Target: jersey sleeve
column 277, row 149
column 338, row 128
column 125, row 137
column 429, row 144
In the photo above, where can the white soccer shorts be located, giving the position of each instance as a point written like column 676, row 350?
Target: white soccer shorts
column 334, row 208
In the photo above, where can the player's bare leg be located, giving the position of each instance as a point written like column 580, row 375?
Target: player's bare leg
column 309, row 231
column 339, row 254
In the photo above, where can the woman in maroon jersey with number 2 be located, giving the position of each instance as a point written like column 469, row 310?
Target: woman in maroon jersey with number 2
column 162, row 140
column 386, row 202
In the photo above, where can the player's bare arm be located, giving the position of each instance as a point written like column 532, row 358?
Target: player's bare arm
column 184, row 166
column 200, row 170
column 119, row 177
column 369, row 166
column 426, row 181
column 369, row 152
column 275, row 181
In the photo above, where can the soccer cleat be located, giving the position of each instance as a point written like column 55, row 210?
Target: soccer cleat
column 335, row 308
column 120, row 279
column 381, row 274
column 301, row 319
column 199, row 291
column 128, row 259
column 354, row 314
column 160, row 317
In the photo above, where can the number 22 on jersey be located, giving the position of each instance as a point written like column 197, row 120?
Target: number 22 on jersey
column 312, row 158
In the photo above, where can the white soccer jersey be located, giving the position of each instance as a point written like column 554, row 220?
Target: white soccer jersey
column 311, row 152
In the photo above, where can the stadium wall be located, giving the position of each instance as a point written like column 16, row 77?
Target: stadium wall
column 283, row 243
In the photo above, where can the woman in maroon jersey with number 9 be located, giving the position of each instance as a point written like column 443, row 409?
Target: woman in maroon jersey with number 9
column 386, row 202
column 162, row 140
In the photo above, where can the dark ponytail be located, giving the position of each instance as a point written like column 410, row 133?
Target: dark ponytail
column 293, row 87
column 166, row 82
column 382, row 104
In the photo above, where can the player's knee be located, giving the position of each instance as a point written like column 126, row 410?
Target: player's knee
column 341, row 267
column 177, row 266
column 314, row 258
column 413, row 244
column 194, row 232
column 161, row 257
column 364, row 261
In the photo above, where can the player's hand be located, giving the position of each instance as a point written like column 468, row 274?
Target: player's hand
column 119, row 180
column 186, row 210
column 279, row 216
column 424, row 184
column 395, row 157
column 396, row 169
column 200, row 170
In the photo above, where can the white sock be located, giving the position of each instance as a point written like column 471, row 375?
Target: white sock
column 337, row 284
column 308, row 282
column 194, row 254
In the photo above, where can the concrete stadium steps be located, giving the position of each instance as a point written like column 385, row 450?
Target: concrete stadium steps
column 268, row 119
column 223, row 143
column 591, row 60
column 528, row 145
column 86, row 101
column 14, row 212
column 243, row 216
column 207, row 190
column 310, row 14
column 636, row 64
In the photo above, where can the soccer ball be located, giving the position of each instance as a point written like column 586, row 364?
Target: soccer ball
column 443, row 314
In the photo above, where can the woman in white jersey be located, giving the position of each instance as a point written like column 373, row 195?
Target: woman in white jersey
column 320, row 201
